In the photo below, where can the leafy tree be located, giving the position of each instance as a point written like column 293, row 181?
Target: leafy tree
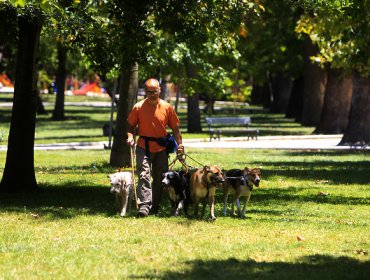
column 341, row 31
column 271, row 53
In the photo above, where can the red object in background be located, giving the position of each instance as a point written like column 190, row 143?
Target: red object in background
column 85, row 88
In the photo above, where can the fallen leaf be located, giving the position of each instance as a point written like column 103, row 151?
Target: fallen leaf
column 300, row 238
column 323, row 193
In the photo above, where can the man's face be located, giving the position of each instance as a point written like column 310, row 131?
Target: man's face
column 152, row 93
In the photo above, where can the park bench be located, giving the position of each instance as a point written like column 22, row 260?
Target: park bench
column 222, row 125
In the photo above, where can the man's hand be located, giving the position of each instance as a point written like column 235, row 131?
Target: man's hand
column 130, row 140
column 180, row 150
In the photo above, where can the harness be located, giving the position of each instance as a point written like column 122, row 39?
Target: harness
column 244, row 180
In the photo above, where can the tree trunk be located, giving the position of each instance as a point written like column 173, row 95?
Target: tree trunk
column 295, row 105
column 281, row 90
column 19, row 172
column 358, row 129
column 256, row 94
column 337, row 103
column 58, row 113
column 266, row 95
column 120, row 155
column 194, row 125
column 314, row 87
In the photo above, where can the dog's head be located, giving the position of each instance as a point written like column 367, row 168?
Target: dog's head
column 120, row 181
column 170, row 179
column 252, row 175
column 213, row 175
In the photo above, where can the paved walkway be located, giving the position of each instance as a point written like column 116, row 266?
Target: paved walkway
column 299, row 142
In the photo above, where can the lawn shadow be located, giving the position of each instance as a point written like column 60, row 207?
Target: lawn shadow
column 309, row 267
column 334, row 171
column 61, row 202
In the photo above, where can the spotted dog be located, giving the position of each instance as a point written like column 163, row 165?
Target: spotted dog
column 203, row 185
column 240, row 183
column 176, row 184
column 123, row 188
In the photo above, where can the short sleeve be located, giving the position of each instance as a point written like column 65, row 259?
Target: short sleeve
column 173, row 120
column 133, row 116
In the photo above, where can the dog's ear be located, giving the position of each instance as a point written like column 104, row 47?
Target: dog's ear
column 246, row 169
column 206, row 168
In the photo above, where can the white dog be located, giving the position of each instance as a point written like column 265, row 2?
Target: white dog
column 122, row 186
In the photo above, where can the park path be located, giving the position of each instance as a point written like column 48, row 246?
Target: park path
column 298, row 142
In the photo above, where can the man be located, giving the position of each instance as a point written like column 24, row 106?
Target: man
column 151, row 116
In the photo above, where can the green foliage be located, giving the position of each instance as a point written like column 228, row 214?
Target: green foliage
column 268, row 43
column 341, row 30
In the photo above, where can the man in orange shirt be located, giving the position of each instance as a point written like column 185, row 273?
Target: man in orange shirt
column 151, row 117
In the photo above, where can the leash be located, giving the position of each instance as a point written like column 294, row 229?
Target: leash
column 182, row 159
column 133, row 173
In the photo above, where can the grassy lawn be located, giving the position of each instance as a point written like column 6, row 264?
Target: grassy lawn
column 69, row 230
column 84, row 124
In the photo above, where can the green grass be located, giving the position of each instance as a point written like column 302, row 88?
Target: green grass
column 84, row 124
column 69, row 230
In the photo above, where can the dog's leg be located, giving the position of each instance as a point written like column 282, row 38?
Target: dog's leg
column 196, row 207
column 118, row 203
column 245, row 204
column 204, row 204
column 225, row 204
column 129, row 201
column 124, row 198
column 237, row 201
column 212, row 207
column 179, row 207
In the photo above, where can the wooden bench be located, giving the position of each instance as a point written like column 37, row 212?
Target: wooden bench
column 215, row 125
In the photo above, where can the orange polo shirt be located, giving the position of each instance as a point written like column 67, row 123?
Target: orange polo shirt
column 152, row 121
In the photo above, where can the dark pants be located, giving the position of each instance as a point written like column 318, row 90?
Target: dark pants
column 150, row 192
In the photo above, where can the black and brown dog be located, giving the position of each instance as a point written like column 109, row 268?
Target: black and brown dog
column 203, row 185
column 240, row 183
column 176, row 184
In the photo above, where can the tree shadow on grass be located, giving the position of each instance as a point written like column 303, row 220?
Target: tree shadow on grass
column 279, row 196
column 62, row 202
column 334, row 171
column 310, row 267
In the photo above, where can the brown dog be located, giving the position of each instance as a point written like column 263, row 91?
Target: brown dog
column 203, row 184
column 240, row 184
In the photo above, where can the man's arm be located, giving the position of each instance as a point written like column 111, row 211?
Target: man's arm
column 178, row 137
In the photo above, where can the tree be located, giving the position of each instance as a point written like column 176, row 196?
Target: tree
column 337, row 103
column 340, row 28
column 271, row 53
column 20, row 156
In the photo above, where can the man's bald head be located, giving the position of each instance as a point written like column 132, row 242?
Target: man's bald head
column 152, row 84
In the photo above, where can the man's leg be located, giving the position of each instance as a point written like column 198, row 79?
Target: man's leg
column 144, row 189
column 159, row 166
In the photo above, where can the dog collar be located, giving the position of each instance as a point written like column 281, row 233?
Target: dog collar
column 245, row 182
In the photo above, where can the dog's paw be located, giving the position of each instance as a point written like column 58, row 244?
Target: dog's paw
column 212, row 219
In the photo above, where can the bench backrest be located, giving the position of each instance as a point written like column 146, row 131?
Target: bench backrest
column 228, row 121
